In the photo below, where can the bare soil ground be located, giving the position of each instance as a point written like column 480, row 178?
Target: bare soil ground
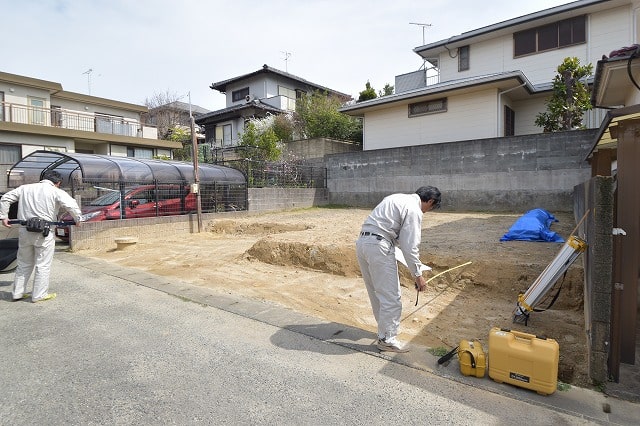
column 305, row 260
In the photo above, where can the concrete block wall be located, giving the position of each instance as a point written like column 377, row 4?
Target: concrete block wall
column 499, row 174
column 268, row 199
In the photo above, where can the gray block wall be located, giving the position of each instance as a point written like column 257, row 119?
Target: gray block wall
column 499, row 174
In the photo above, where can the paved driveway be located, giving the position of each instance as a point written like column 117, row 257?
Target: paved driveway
column 124, row 347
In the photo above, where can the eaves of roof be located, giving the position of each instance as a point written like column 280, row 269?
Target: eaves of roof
column 444, row 87
column 235, row 111
column 606, row 138
column 627, row 60
column 21, row 80
column 533, row 19
column 221, row 86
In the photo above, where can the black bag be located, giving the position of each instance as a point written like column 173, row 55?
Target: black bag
column 35, row 224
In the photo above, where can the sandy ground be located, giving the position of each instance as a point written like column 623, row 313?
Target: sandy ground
column 305, row 260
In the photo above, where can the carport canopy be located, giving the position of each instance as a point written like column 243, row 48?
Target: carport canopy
column 104, row 168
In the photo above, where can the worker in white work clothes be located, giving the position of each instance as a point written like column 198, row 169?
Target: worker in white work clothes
column 42, row 200
column 395, row 222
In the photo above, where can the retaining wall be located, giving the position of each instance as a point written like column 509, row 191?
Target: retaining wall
column 512, row 174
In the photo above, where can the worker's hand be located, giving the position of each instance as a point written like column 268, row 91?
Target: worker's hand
column 421, row 284
column 6, row 223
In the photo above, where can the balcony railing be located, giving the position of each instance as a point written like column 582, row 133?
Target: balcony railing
column 73, row 120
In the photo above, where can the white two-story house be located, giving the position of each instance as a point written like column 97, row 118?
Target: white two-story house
column 493, row 81
column 255, row 95
column 39, row 115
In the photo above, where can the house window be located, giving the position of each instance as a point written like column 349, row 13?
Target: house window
column 56, row 116
column 553, row 36
column 9, row 155
column 226, row 135
column 1, row 106
column 239, row 95
column 285, row 91
column 36, row 111
column 139, row 152
column 509, row 121
column 428, row 107
column 463, row 58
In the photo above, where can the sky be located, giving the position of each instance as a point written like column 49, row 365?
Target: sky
column 131, row 50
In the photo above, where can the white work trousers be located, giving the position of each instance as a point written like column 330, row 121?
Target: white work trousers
column 35, row 254
column 379, row 268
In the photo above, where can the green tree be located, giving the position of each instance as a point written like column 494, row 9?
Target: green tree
column 182, row 135
column 261, row 141
column 367, row 94
column 284, row 127
column 386, row 90
column 570, row 98
column 318, row 117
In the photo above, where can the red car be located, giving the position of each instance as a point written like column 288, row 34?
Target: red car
column 140, row 201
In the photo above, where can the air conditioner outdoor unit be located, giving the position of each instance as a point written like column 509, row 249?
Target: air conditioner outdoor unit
column 249, row 98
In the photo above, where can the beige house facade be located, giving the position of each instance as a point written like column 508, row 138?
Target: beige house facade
column 39, row 115
column 493, row 81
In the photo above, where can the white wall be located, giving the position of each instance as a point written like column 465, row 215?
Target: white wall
column 607, row 30
column 392, row 127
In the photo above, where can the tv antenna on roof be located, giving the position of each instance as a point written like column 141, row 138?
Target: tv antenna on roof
column 287, row 55
column 423, row 27
column 88, row 73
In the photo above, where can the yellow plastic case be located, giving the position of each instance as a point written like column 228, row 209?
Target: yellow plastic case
column 523, row 360
column 471, row 358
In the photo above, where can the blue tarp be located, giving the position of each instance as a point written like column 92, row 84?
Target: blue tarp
column 533, row 226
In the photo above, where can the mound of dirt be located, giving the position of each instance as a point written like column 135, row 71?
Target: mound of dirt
column 305, row 260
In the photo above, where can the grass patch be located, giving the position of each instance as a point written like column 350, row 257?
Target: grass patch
column 439, row 351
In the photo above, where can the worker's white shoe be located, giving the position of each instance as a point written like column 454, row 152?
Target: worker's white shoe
column 391, row 345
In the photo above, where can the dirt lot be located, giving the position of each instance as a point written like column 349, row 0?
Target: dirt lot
column 305, row 260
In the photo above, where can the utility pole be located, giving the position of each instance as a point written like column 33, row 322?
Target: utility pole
column 196, row 175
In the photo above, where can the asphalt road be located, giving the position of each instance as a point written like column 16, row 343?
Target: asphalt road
column 120, row 347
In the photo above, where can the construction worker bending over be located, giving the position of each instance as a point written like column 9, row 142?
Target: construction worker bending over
column 396, row 221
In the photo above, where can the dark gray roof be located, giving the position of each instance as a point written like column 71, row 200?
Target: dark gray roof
column 221, row 86
column 237, row 110
column 182, row 106
column 446, row 87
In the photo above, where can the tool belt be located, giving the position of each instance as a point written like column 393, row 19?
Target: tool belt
column 35, row 224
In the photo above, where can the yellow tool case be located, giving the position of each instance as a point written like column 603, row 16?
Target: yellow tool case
column 523, row 360
column 471, row 358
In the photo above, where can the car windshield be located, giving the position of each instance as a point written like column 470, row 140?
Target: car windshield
column 106, row 199
column 109, row 198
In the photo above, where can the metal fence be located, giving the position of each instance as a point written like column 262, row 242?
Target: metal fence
column 102, row 200
column 73, row 120
column 262, row 174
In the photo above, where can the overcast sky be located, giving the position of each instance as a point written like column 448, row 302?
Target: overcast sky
column 138, row 48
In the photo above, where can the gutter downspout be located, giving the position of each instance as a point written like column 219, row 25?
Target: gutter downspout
column 499, row 106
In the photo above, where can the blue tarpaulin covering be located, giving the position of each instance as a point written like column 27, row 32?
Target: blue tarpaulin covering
column 533, row 226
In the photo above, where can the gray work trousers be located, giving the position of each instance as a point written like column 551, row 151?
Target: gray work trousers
column 379, row 268
column 35, row 254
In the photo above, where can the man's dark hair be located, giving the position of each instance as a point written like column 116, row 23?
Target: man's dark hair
column 52, row 175
column 427, row 193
